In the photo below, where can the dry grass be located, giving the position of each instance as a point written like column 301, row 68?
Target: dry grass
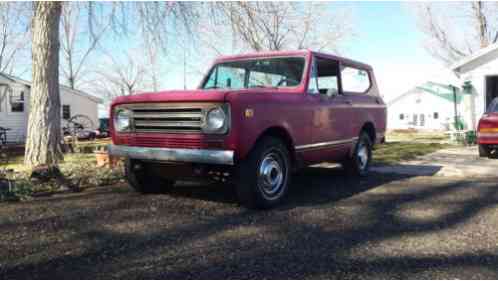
column 395, row 152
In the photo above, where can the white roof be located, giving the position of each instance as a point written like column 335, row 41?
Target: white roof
column 65, row 88
column 476, row 59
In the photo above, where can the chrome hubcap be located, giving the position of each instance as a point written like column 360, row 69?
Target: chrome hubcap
column 362, row 155
column 271, row 176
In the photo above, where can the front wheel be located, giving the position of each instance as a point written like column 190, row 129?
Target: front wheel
column 264, row 176
column 143, row 180
column 358, row 163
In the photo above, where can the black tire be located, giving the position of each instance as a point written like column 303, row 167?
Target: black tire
column 258, row 189
column 484, row 150
column 142, row 180
column 356, row 165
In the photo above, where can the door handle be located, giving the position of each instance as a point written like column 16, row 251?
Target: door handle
column 349, row 102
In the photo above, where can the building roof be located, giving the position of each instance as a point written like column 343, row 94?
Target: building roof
column 476, row 59
column 437, row 89
column 66, row 88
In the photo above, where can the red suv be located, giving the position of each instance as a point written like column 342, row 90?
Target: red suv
column 487, row 131
column 253, row 121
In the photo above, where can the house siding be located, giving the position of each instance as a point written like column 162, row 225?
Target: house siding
column 418, row 102
column 477, row 77
column 17, row 121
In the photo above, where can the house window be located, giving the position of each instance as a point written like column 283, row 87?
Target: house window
column 16, row 101
column 436, row 115
column 402, row 117
column 66, row 112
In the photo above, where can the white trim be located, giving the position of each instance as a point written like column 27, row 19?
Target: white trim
column 322, row 144
column 456, row 66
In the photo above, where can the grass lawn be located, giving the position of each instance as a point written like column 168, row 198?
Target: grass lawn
column 414, row 136
column 394, row 152
column 16, row 162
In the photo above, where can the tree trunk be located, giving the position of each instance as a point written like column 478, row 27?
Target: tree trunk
column 43, row 144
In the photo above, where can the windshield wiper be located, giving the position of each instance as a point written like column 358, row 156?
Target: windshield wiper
column 211, row 87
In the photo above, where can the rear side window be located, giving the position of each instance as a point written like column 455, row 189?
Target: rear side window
column 354, row 80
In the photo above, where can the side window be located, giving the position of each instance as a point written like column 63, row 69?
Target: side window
column 66, row 111
column 326, row 76
column 354, row 80
column 16, row 101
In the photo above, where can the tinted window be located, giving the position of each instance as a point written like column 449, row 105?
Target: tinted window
column 66, row 111
column 354, row 80
column 255, row 73
column 493, row 107
column 16, row 101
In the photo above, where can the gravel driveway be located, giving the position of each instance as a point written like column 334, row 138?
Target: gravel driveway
column 385, row 226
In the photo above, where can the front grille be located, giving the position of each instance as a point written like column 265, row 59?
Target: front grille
column 168, row 118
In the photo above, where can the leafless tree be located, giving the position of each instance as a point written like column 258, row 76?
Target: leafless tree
column 43, row 145
column 78, row 40
column 123, row 76
column 14, row 35
column 458, row 29
column 263, row 26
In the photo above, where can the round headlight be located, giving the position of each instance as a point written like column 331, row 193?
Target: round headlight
column 215, row 119
column 122, row 120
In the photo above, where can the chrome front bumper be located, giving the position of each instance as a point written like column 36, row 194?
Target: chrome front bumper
column 204, row 156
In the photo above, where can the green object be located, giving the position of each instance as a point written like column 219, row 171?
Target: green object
column 443, row 91
column 470, row 137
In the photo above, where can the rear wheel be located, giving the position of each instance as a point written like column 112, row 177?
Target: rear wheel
column 358, row 163
column 143, row 180
column 264, row 176
column 484, row 150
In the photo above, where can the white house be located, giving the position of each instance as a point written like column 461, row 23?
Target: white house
column 479, row 76
column 14, row 106
column 429, row 106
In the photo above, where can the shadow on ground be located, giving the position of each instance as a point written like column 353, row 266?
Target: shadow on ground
column 383, row 226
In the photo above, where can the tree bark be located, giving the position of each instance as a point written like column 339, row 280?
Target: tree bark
column 43, row 144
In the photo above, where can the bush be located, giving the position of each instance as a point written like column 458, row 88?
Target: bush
column 79, row 169
column 15, row 188
column 86, row 175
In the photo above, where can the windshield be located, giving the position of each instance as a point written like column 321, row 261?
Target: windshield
column 493, row 107
column 256, row 73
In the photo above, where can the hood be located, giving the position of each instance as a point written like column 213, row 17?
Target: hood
column 175, row 96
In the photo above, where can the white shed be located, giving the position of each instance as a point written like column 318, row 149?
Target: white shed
column 479, row 75
column 14, row 106
column 429, row 106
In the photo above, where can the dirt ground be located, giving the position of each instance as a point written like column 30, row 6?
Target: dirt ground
column 383, row 226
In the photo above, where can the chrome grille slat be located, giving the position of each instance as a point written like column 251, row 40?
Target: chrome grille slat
column 168, row 118
column 163, row 123
column 167, row 115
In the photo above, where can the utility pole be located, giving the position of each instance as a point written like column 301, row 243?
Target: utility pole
column 455, row 107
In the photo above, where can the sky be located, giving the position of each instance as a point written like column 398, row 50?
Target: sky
column 389, row 40
column 385, row 36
